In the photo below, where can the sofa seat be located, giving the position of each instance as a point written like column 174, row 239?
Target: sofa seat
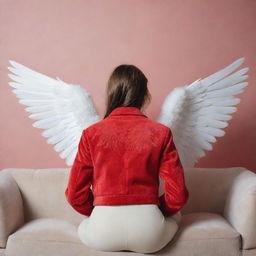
column 202, row 232
column 47, row 236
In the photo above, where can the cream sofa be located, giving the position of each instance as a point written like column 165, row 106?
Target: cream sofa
column 218, row 220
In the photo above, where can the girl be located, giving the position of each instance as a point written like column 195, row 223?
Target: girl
column 122, row 157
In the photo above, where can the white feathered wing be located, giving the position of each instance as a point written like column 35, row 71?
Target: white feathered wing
column 63, row 110
column 197, row 113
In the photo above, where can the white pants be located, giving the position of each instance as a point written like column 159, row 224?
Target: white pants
column 140, row 228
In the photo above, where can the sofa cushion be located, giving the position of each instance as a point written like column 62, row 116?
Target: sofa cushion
column 204, row 233
column 44, row 237
column 2, row 252
column 199, row 234
column 49, row 237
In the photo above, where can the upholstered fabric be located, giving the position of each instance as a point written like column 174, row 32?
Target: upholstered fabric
column 241, row 206
column 251, row 252
column 43, row 195
column 199, row 234
column 2, row 252
column 42, row 188
column 208, row 188
column 11, row 209
column 45, row 237
column 209, row 225
column 204, row 233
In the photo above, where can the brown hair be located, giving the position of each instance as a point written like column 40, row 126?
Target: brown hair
column 126, row 87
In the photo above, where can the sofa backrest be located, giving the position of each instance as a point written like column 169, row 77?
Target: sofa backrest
column 43, row 191
column 208, row 188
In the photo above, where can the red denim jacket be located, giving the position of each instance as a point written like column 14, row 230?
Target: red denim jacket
column 121, row 157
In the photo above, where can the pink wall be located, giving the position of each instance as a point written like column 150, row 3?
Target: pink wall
column 173, row 42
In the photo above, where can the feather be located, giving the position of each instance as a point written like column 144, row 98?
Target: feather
column 198, row 113
column 62, row 110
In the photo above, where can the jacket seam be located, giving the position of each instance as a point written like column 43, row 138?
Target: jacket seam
column 121, row 195
column 164, row 146
column 166, row 137
column 89, row 146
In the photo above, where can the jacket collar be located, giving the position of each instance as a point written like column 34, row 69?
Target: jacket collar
column 127, row 111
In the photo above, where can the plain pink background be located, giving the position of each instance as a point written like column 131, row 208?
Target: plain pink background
column 172, row 42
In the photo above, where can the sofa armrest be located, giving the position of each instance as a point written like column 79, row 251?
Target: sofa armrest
column 11, row 207
column 240, row 207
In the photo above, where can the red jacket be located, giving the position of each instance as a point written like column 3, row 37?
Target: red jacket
column 122, row 157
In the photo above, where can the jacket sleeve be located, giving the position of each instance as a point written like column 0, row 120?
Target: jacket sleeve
column 171, row 171
column 78, row 192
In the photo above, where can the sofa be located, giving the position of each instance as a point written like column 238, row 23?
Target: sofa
column 219, row 218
